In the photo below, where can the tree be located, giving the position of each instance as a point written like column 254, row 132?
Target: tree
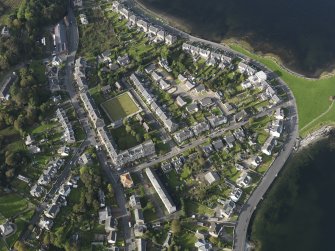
column 175, row 226
column 19, row 246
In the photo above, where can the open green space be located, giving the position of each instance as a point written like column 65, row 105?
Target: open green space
column 120, row 107
column 123, row 139
column 19, row 210
column 312, row 96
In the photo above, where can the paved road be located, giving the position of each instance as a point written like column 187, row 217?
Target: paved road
column 112, row 176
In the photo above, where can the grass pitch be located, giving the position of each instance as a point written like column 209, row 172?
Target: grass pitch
column 120, row 107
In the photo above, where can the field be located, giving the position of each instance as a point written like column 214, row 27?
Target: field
column 17, row 207
column 120, row 107
column 312, row 96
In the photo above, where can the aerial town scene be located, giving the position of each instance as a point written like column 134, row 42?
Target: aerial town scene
column 128, row 134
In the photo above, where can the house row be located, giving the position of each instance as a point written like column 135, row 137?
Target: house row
column 194, row 130
column 4, row 90
column 134, row 20
column 50, row 172
column 211, row 57
column 93, row 112
column 79, row 73
column 268, row 146
column 140, row 151
column 59, row 38
column 106, row 218
column 139, row 226
column 167, row 122
column 66, row 125
column 143, row 150
column 258, row 80
column 50, row 213
column 162, row 193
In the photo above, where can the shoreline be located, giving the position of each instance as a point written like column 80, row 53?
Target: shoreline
column 183, row 26
column 315, row 136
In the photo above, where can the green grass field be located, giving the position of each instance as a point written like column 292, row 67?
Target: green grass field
column 312, row 96
column 120, row 107
column 13, row 205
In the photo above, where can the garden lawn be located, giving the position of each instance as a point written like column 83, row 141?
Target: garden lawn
column 120, row 107
column 10, row 204
column 312, row 96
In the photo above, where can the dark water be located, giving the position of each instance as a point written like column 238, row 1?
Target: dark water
column 299, row 210
column 301, row 32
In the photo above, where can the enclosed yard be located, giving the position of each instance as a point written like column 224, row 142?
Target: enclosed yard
column 120, row 107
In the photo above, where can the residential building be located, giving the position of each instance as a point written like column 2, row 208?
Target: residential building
column 143, row 25
column 241, row 115
column 205, row 102
column 162, row 193
column 215, row 229
column 77, row 3
column 124, row 12
column 164, row 85
column 203, row 245
column 183, row 135
column 277, row 128
column 134, row 201
column 29, row 140
column 6, row 229
column 200, row 128
column 111, row 224
column 200, row 88
column 170, row 39
column 104, row 213
column 67, row 127
column 93, row 113
column 193, row 107
column 140, row 244
column 123, row 60
column 244, row 180
column 279, row 114
column 126, row 180
column 60, row 38
column 211, row 177
column 236, row 194
column 65, row 190
column 230, row 140
column 156, row 76
column 160, row 36
column 101, row 197
column 180, row 102
column 268, row 146
column 167, row 122
column 133, row 19
column 45, row 223
column 244, row 68
column 217, row 144
column 52, row 211
column 153, row 30
column 37, row 191
column 205, row 54
column 4, row 91
column 227, row 209
column 111, row 237
column 189, row 85
column 217, row 120
column 256, row 161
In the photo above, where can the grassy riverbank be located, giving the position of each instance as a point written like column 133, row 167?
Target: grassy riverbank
column 312, row 96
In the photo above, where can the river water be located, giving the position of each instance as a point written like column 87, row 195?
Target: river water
column 300, row 32
column 298, row 211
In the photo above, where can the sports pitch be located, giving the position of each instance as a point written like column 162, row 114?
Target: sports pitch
column 120, row 107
